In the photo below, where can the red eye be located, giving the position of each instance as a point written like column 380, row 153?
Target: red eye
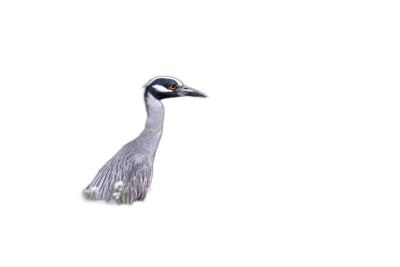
column 172, row 87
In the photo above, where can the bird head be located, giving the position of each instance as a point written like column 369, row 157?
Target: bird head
column 165, row 87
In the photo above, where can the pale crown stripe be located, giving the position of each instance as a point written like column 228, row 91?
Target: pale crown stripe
column 167, row 77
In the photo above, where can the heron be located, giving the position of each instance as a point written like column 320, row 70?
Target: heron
column 127, row 176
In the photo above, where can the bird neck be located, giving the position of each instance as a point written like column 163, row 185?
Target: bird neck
column 151, row 135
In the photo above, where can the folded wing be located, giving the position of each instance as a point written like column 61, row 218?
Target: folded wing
column 132, row 169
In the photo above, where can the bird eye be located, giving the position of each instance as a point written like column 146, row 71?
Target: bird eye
column 172, row 87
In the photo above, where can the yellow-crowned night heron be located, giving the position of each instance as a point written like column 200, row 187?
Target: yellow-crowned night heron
column 127, row 175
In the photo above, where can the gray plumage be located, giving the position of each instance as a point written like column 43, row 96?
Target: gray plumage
column 127, row 175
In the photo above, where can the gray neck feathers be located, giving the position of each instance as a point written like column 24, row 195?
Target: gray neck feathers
column 151, row 135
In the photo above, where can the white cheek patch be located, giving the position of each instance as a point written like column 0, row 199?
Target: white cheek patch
column 161, row 89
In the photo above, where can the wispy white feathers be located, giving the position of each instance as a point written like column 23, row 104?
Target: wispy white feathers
column 116, row 195
column 118, row 186
column 90, row 192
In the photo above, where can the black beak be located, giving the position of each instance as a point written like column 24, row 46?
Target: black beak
column 187, row 91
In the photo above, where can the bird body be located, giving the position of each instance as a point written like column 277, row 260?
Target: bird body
column 127, row 175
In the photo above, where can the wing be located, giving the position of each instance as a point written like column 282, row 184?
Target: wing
column 132, row 169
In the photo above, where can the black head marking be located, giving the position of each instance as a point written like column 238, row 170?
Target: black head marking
column 160, row 87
